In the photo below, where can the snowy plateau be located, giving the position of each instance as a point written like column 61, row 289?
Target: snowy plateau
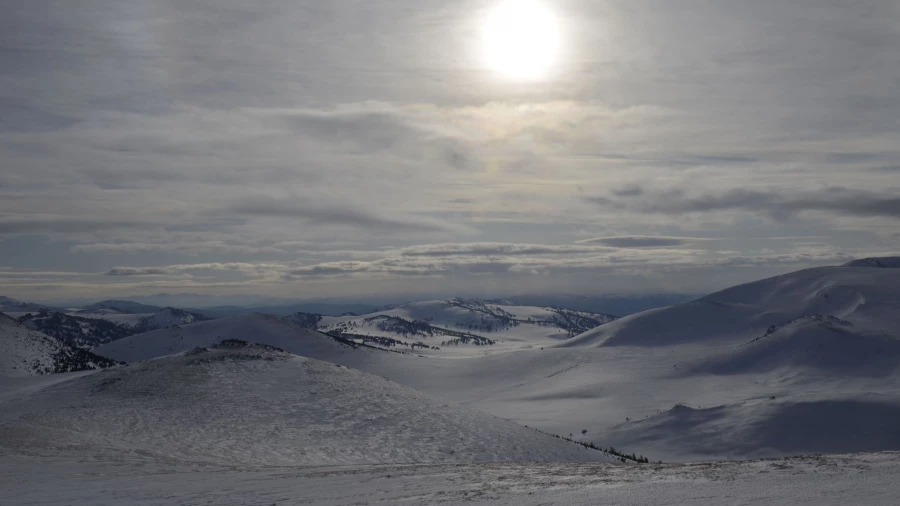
column 781, row 391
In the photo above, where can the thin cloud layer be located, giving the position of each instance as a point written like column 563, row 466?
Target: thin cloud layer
column 264, row 142
column 640, row 241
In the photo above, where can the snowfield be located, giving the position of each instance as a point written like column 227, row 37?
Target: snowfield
column 253, row 405
column 246, row 424
column 725, row 377
column 839, row 480
column 799, row 364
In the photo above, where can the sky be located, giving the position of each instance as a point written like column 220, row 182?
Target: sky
column 310, row 149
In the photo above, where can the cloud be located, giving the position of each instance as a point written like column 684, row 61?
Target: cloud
column 38, row 223
column 778, row 204
column 186, row 248
column 141, row 271
column 286, row 134
column 640, row 241
column 339, row 215
column 493, row 248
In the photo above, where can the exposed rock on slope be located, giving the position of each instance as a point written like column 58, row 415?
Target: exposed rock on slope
column 24, row 352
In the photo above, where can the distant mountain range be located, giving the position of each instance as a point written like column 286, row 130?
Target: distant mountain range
column 455, row 322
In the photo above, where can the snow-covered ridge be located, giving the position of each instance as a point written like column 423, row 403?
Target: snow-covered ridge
column 84, row 333
column 244, row 404
column 254, row 327
column 121, row 306
column 24, row 352
column 882, row 263
column 868, row 298
column 8, row 305
column 142, row 322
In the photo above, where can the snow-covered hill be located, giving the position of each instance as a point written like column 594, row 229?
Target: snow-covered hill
column 142, row 322
column 84, row 333
column 868, row 298
column 24, row 352
column 248, row 404
column 822, row 343
column 168, row 317
column 458, row 322
column 254, row 327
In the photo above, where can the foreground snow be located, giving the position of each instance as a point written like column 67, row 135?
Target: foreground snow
column 868, row 479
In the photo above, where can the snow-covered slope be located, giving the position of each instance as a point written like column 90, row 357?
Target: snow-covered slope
column 24, row 352
column 84, row 333
column 168, row 317
column 868, row 298
column 823, row 343
column 248, row 404
column 253, row 327
column 142, row 322
column 459, row 322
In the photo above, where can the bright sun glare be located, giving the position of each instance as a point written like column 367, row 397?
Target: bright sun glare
column 521, row 39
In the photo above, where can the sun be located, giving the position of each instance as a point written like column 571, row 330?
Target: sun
column 521, row 39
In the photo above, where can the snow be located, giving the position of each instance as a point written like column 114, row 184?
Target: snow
column 842, row 480
column 131, row 320
column 257, row 406
column 24, row 352
column 868, row 298
column 168, row 317
column 122, row 306
column 746, row 361
column 803, row 363
column 142, row 322
column 247, row 425
column 510, row 326
column 21, row 349
column 883, row 263
column 253, row 327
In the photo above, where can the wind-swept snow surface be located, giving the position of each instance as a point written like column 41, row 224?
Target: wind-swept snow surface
column 247, row 404
column 842, row 480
